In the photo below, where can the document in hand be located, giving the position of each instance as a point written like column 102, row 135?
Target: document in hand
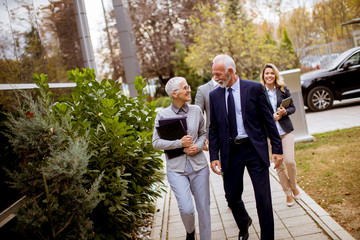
column 172, row 129
column 165, row 121
column 286, row 102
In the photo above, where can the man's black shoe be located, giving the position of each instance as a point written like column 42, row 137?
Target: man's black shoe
column 244, row 235
column 190, row 236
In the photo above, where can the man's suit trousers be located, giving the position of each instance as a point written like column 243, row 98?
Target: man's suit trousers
column 241, row 156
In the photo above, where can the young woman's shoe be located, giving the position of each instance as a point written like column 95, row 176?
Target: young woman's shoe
column 290, row 201
column 297, row 195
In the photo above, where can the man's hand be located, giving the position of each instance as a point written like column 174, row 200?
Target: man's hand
column 192, row 150
column 216, row 167
column 186, row 141
column 277, row 159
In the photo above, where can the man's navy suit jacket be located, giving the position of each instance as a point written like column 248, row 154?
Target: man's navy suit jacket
column 258, row 122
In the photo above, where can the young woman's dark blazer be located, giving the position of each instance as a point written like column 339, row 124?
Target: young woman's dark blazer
column 284, row 121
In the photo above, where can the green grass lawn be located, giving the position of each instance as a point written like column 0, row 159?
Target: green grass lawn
column 329, row 171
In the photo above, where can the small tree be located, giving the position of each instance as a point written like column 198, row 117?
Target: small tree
column 184, row 70
column 290, row 60
column 226, row 30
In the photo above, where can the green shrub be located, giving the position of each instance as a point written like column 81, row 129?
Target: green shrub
column 120, row 132
column 166, row 102
column 115, row 136
column 163, row 102
column 158, row 102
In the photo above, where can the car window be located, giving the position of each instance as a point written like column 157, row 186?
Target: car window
column 339, row 59
column 355, row 59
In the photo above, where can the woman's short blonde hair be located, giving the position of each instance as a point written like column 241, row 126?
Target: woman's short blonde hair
column 279, row 82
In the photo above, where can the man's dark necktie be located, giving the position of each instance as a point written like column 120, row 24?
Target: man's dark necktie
column 231, row 115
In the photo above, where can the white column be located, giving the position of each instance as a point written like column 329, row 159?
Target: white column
column 292, row 81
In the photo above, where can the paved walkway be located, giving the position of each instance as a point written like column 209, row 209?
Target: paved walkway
column 305, row 220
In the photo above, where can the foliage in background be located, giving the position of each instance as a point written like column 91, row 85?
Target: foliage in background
column 321, row 25
column 51, row 171
column 157, row 25
column 328, row 171
column 163, row 102
column 183, row 69
column 289, row 60
column 120, row 137
column 235, row 36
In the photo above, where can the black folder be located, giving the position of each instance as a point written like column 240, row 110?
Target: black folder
column 182, row 119
column 172, row 129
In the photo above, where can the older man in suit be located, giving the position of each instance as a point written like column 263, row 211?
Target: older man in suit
column 240, row 123
column 202, row 100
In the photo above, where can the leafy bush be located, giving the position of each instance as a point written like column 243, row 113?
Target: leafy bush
column 116, row 131
column 166, row 102
column 120, row 132
column 163, row 102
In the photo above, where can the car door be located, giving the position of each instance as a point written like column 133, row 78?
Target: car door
column 347, row 80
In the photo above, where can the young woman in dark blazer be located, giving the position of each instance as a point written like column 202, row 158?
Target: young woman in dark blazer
column 277, row 91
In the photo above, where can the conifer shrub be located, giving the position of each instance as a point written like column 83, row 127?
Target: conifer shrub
column 8, row 160
column 52, row 172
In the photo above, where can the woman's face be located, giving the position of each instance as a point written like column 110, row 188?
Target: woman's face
column 269, row 77
column 183, row 93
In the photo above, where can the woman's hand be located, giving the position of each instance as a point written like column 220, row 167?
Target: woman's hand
column 186, row 141
column 281, row 110
column 276, row 116
column 192, row 150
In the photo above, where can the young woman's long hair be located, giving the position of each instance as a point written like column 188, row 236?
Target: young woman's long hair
column 279, row 82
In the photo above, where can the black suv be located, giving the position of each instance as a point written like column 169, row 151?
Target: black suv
column 337, row 81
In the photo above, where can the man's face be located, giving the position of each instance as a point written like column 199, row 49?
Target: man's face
column 220, row 75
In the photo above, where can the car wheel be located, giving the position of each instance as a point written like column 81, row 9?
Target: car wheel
column 320, row 98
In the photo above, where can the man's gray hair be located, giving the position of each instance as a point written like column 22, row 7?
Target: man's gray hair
column 226, row 60
column 173, row 84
